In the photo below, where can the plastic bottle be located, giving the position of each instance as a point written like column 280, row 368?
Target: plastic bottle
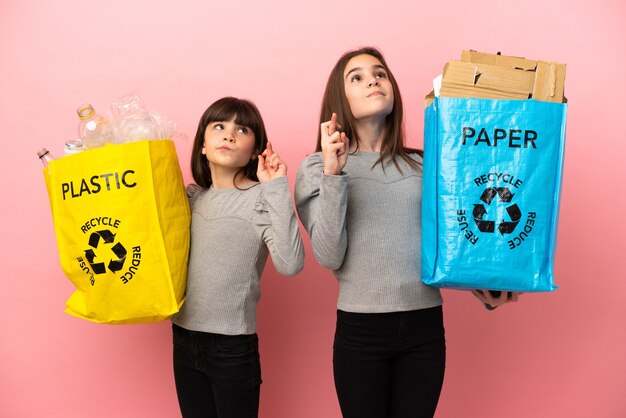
column 73, row 147
column 45, row 156
column 94, row 130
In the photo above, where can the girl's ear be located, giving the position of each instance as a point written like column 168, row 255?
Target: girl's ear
column 203, row 151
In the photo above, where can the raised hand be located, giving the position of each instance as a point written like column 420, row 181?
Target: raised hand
column 335, row 146
column 270, row 165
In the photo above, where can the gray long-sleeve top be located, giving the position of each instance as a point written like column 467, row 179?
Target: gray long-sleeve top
column 232, row 232
column 365, row 224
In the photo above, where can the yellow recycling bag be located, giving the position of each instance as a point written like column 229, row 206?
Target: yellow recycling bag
column 121, row 219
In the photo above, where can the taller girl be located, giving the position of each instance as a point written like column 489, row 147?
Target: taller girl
column 359, row 198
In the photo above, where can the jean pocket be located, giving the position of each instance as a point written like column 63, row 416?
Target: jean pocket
column 238, row 345
column 237, row 349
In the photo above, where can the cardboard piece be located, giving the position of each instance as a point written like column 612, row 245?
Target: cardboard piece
column 468, row 79
column 429, row 99
column 499, row 60
column 549, row 82
column 495, row 76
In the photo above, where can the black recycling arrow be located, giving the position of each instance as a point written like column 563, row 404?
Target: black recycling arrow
column 106, row 235
column 98, row 268
column 490, row 192
column 505, row 194
column 516, row 215
column 119, row 250
column 488, row 195
column 478, row 213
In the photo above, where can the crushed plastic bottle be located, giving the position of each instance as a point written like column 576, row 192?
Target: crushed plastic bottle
column 133, row 120
column 94, row 130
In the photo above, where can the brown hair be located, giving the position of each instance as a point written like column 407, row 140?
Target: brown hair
column 246, row 114
column 335, row 100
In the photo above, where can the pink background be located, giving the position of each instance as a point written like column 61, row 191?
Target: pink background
column 550, row 355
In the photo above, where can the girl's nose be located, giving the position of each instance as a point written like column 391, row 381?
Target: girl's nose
column 229, row 136
column 373, row 82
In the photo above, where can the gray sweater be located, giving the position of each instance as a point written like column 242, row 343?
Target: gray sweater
column 365, row 224
column 232, row 232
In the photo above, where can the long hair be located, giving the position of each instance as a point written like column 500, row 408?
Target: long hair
column 335, row 100
column 246, row 114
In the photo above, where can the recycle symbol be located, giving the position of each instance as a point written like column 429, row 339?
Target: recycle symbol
column 505, row 227
column 117, row 250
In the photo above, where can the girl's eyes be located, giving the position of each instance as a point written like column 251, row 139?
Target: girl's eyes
column 241, row 129
column 356, row 78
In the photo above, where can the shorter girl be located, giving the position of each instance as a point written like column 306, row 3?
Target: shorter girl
column 241, row 212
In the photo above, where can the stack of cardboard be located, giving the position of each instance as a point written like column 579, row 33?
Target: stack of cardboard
column 495, row 76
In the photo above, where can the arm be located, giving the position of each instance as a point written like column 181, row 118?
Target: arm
column 322, row 201
column 280, row 233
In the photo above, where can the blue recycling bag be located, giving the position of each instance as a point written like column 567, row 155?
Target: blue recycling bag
column 490, row 204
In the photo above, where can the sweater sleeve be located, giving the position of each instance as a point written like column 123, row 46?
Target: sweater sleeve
column 278, row 227
column 322, row 201
column 193, row 192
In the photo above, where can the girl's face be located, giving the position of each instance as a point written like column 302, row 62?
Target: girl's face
column 368, row 89
column 228, row 145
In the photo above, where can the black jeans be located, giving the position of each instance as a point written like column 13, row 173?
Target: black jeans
column 389, row 365
column 217, row 376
